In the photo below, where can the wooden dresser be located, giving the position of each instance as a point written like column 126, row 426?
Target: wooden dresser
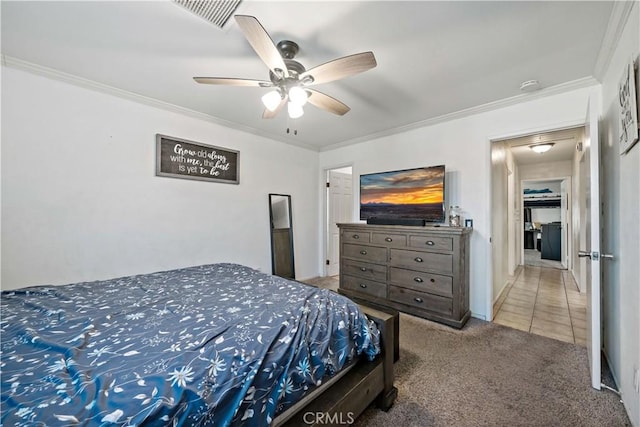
column 422, row 271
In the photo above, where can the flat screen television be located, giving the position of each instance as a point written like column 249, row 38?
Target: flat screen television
column 404, row 194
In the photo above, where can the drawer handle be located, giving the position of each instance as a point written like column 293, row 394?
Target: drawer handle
column 363, row 269
column 355, row 236
column 418, row 299
column 418, row 259
column 363, row 252
column 430, row 243
column 388, row 239
column 362, row 285
column 418, row 279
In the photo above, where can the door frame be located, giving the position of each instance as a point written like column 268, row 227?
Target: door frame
column 594, row 276
column 488, row 184
column 569, row 225
column 325, row 209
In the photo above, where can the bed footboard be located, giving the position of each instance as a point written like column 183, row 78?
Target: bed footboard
column 389, row 325
column 341, row 401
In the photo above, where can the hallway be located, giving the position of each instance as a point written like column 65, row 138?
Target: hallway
column 544, row 301
column 532, row 258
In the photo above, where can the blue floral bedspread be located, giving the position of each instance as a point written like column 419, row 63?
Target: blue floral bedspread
column 213, row 345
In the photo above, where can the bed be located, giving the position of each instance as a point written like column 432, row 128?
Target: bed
column 541, row 198
column 218, row 344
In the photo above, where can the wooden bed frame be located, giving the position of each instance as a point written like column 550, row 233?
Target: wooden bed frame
column 343, row 398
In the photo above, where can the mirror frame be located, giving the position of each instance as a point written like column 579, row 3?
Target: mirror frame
column 273, row 240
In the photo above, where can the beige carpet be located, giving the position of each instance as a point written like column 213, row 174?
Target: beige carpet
column 491, row 375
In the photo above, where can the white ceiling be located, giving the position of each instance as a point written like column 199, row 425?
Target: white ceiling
column 434, row 58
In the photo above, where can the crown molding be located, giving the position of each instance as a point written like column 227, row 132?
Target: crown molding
column 23, row 65
column 495, row 105
column 617, row 21
column 52, row 73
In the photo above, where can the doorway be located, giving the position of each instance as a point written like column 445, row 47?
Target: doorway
column 339, row 203
column 546, row 214
column 532, row 194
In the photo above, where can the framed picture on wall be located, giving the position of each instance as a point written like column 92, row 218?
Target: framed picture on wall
column 181, row 158
column 628, row 108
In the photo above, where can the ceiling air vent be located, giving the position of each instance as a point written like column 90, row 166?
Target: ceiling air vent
column 216, row 12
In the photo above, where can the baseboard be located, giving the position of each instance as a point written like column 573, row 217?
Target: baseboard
column 575, row 279
column 502, row 295
column 613, row 372
column 505, row 288
column 479, row 316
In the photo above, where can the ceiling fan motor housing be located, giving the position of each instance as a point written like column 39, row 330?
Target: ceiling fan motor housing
column 288, row 51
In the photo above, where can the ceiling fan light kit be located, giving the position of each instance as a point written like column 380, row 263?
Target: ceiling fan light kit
column 299, row 96
column 272, row 99
column 295, row 110
column 288, row 77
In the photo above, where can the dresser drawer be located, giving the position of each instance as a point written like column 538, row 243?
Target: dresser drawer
column 423, row 271
column 423, row 282
column 432, row 243
column 422, row 261
column 353, row 236
column 365, row 253
column 389, row 239
column 364, row 286
column 364, row 269
column 425, row 301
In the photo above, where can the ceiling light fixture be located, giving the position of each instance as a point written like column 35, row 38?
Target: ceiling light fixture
column 297, row 98
column 297, row 95
column 295, row 110
column 542, row 148
column 272, row 99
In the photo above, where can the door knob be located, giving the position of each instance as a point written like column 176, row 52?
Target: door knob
column 608, row 256
column 584, row 254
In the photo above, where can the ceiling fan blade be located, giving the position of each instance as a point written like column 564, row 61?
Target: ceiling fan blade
column 341, row 68
column 261, row 42
column 327, row 103
column 232, row 82
column 271, row 114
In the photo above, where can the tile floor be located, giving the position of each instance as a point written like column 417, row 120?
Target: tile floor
column 544, row 301
column 330, row 282
column 533, row 257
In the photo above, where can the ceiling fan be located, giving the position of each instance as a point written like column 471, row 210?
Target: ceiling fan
column 288, row 77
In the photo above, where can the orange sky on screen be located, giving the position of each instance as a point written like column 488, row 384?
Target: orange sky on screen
column 404, row 196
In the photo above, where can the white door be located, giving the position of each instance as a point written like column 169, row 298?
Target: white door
column 340, row 209
column 590, row 184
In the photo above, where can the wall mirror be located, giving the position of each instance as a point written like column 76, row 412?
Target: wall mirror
column 282, row 263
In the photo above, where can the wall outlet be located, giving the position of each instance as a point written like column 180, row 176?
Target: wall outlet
column 636, row 379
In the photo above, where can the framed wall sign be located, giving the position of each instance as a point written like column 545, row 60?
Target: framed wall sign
column 628, row 109
column 179, row 158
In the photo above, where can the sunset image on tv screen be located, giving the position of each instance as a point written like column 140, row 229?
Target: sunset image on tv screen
column 413, row 193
